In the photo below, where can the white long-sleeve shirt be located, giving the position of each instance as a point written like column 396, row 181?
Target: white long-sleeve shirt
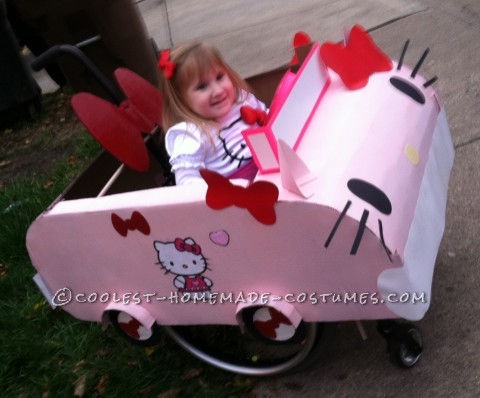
column 191, row 148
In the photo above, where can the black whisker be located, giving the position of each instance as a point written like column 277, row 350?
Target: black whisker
column 339, row 220
column 419, row 63
column 387, row 250
column 231, row 124
column 430, row 82
column 402, row 56
column 361, row 230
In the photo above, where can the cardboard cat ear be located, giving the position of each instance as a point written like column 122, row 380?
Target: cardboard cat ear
column 301, row 46
column 356, row 60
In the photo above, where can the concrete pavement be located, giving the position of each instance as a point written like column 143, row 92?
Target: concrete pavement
column 255, row 36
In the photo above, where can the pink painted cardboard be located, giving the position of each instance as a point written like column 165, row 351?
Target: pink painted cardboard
column 366, row 234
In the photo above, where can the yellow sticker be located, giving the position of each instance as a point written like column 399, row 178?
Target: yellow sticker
column 412, row 154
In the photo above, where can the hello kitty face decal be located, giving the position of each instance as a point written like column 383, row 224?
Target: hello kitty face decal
column 235, row 151
column 184, row 259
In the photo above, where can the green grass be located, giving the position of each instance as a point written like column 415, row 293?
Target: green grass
column 48, row 353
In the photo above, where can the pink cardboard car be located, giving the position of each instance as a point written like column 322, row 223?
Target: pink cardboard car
column 342, row 223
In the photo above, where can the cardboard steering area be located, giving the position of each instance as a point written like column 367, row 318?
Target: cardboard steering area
column 343, row 221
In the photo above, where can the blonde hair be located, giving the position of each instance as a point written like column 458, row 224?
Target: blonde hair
column 192, row 62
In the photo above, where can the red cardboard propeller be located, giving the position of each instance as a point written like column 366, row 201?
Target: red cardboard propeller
column 119, row 128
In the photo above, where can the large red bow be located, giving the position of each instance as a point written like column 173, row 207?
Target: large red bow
column 356, row 61
column 251, row 116
column 136, row 222
column 165, row 65
column 258, row 198
column 181, row 246
column 119, row 128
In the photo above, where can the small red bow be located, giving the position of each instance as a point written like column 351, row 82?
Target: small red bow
column 136, row 222
column 258, row 198
column 165, row 65
column 356, row 61
column 251, row 116
column 181, row 246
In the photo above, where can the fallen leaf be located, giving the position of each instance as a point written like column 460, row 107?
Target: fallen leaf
column 203, row 383
column 80, row 386
column 78, row 366
column 173, row 393
column 48, row 184
column 150, row 350
column 192, row 373
column 102, row 385
column 146, row 390
column 242, row 381
column 5, row 163
column 3, row 270
column 72, row 160
column 103, row 352
column 39, row 305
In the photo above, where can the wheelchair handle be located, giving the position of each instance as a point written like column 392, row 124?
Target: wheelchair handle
column 53, row 52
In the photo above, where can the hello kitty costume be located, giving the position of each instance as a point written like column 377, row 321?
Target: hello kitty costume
column 191, row 149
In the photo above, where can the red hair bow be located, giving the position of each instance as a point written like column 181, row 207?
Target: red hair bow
column 165, row 65
column 251, row 116
column 258, row 198
column 356, row 61
column 136, row 222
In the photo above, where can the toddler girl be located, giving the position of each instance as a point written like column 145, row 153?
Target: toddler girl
column 204, row 100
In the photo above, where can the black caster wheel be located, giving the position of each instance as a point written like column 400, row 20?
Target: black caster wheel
column 404, row 342
column 133, row 331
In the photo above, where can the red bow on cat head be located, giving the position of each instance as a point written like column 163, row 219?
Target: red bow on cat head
column 356, row 61
column 182, row 246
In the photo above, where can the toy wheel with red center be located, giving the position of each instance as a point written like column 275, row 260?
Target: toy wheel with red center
column 133, row 330
column 228, row 348
column 271, row 326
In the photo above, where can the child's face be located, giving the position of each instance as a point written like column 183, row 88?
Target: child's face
column 212, row 96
